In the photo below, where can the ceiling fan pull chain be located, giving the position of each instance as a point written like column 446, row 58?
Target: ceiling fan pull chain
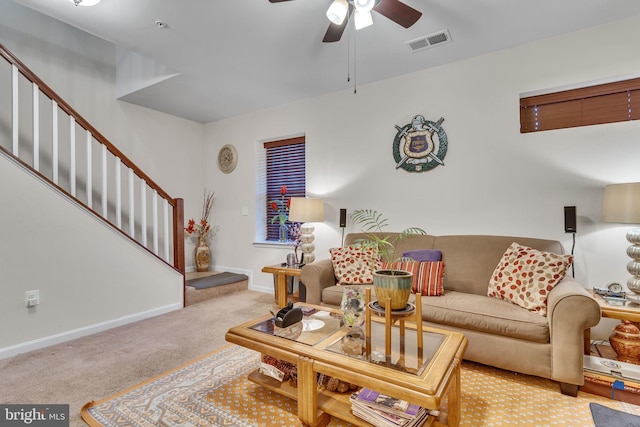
column 348, row 56
column 355, row 64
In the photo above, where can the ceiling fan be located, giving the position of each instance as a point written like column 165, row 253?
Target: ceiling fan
column 341, row 10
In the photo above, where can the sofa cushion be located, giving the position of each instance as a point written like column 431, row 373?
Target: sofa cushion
column 354, row 264
column 525, row 276
column 332, row 295
column 486, row 315
column 427, row 278
column 423, row 255
column 471, row 259
column 474, row 312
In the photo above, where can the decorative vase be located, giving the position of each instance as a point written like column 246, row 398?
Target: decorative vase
column 394, row 284
column 282, row 233
column 202, row 256
column 353, row 306
column 625, row 341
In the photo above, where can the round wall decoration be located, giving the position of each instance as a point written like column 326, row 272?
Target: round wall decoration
column 227, row 158
column 420, row 145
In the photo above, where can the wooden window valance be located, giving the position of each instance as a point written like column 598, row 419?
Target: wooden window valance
column 604, row 103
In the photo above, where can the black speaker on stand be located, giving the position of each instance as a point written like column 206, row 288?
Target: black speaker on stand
column 343, row 222
column 571, row 226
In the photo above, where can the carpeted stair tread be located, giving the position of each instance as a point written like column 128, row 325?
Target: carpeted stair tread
column 203, row 286
column 219, row 279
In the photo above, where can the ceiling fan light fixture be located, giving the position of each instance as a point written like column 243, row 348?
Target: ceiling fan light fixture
column 85, row 2
column 337, row 12
column 364, row 5
column 362, row 19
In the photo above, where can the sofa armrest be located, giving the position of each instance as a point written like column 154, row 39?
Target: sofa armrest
column 317, row 276
column 570, row 311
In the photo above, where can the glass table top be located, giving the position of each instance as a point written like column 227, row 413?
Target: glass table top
column 313, row 328
column 405, row 355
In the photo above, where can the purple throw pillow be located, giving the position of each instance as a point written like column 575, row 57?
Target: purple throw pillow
column 424, row 255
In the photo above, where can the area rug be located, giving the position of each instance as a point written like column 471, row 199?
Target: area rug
column 214, row 391
column 607, row 417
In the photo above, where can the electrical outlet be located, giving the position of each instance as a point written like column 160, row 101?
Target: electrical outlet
column 32, row 298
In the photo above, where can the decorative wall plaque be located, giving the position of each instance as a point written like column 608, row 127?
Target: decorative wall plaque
column 420, row 145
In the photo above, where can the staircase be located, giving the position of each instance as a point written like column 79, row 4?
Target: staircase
column 94, row 173
column 99, row 208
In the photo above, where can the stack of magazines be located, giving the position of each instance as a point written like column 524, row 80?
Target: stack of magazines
column 386, row 411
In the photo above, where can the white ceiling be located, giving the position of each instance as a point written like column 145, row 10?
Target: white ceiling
column 236, row 56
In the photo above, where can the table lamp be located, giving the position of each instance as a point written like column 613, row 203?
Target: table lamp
column 306, row 210
column 621, row 204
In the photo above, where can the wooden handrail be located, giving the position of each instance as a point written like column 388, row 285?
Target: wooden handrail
column 44, row 88
column 177, row 204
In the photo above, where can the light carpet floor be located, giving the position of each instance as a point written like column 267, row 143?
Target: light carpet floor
column 102, row 364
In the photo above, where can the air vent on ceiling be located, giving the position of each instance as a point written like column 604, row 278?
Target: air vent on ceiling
column 431, row 40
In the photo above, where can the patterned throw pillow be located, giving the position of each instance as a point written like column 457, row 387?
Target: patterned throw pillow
column 428, row 276
column 525, row 276
column 354, row 265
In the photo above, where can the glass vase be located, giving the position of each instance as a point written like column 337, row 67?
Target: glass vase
column 283, row 235
column 353, row 306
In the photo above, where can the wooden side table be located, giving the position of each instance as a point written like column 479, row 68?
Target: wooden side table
column 626, row 311
column 281, row 273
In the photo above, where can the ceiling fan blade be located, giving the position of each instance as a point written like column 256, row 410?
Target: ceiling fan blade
column 398, row 12
column 334, row 32
column 277, row 1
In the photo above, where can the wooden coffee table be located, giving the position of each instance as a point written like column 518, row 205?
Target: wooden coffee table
column 422, row 376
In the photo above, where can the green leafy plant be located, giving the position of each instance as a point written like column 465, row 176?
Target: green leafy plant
column 373, row 223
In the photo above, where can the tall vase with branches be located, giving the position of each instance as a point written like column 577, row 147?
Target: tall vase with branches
column 201, row 233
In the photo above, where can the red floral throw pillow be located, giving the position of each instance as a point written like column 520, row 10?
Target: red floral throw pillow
column 525, row 276
column 354, row 265
column 428, row 276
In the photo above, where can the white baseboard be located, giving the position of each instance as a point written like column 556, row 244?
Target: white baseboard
column 264, row 289
column 84, row 331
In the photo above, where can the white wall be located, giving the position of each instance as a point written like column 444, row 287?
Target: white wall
column 88, row 276
column 496, row 180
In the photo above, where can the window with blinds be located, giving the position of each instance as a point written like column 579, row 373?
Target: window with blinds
column 604, row 103
column 285, row 166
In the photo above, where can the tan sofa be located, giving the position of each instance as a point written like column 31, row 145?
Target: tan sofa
column 500, row 333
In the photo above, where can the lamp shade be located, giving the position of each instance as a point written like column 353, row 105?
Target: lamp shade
column 621, row 203
column 338, row 11
column 362, row 19
column 303, row 209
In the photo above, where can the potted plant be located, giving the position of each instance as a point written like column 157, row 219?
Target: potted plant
column 390, row 282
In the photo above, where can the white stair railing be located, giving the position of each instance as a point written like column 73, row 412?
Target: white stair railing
column 42, row 142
